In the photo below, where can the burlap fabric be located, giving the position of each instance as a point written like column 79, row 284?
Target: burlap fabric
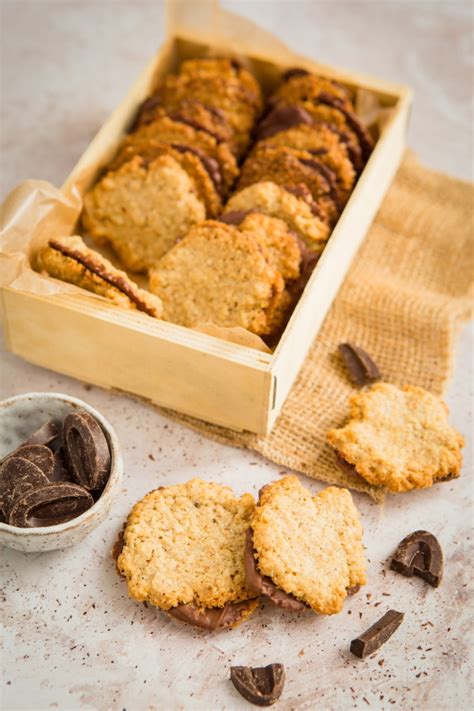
column 405, row 297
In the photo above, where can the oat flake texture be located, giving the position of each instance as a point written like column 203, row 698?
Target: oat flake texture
column 403, row 301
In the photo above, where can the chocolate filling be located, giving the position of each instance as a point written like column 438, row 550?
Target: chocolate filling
column 365, row 140
column 281, row 119
column 96, row 268
column 234, row 217
column 179, row 118
column 295, row 72
column 302, row 192
column 212, row 618
column 210, row 164
column 328, row 174
column 263, row 585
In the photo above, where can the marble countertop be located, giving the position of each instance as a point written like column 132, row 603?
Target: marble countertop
column 72, row 638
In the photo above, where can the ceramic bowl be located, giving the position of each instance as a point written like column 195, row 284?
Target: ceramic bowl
column 19, row 417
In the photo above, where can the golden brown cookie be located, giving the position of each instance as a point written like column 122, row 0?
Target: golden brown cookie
column 308, row 87
column 276, row 201
column 399, row 438
column 277, row 238
column 203, row 170
column 287, row 166
column 239, row 105
column 309, row 547
column 141, row 209
column 228, row 68
column 69, row 259
column 322, row 142
column 167, row 130
column 217, row 274
column 183, row 551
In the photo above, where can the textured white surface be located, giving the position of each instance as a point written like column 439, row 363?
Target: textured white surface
column 72, row 638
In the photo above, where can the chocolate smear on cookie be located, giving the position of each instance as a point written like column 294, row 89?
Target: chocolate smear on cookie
column 361, row 367
column 280, row 119
column 234, row 217
column 94, row 266
column 378, row 634
column 353, row 121
column 212, row 618
column 263, row 585
column 419, row 554
column 210, row 164
column 261, row 686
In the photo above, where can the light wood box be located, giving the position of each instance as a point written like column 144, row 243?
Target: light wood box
column 172, row 366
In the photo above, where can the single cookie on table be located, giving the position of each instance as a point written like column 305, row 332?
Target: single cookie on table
column 183, row 551
column 295, row 208
column 203, row 170
column 399, row 438
column 316, row 138
column 287, row 166
column 141, row 209
column 69, row 259
column 178, row 133
column 305, row 551
column 189, row 279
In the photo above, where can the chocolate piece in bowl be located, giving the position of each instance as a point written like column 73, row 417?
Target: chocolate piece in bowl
column 17, row 476
column 46, row 434
column 86, row 450
column 49, row 505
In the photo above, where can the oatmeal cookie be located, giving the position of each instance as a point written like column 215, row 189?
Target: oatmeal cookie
column 167, row 130
column 69, row 259
column 309, row 547
column 183, row 551
column 218, row 274
column 274, row 200
column 203, row 170
column 141, row 209
column 399, row 438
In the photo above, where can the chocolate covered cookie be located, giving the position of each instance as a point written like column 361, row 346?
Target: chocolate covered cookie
column 183, row 551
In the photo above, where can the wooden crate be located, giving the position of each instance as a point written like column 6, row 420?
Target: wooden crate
column 172, row 366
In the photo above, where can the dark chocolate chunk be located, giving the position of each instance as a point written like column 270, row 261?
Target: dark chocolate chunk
column 377, row 635
column 86, row 450
column 18, row 476
column 419, row 554
column 39, row 454
column 49, row 505
column 60, row 472
column 46, row 434
column 261, row 686
column 360, row 365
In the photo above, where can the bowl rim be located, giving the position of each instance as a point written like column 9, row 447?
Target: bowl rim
column 116, row 465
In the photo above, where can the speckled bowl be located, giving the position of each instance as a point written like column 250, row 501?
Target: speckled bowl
column 19, row 417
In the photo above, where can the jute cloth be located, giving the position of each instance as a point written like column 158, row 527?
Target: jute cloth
column 403, row 301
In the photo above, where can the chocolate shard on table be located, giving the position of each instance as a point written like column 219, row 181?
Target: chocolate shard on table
column 419, row 554
column 213, row 618
column 361, row 367
column 86, row 450
column 371, row 640
column 262, row 686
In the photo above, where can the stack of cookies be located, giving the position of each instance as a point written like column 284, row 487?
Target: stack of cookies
column 206, row 557
column 220, row 244
column 179, row 162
